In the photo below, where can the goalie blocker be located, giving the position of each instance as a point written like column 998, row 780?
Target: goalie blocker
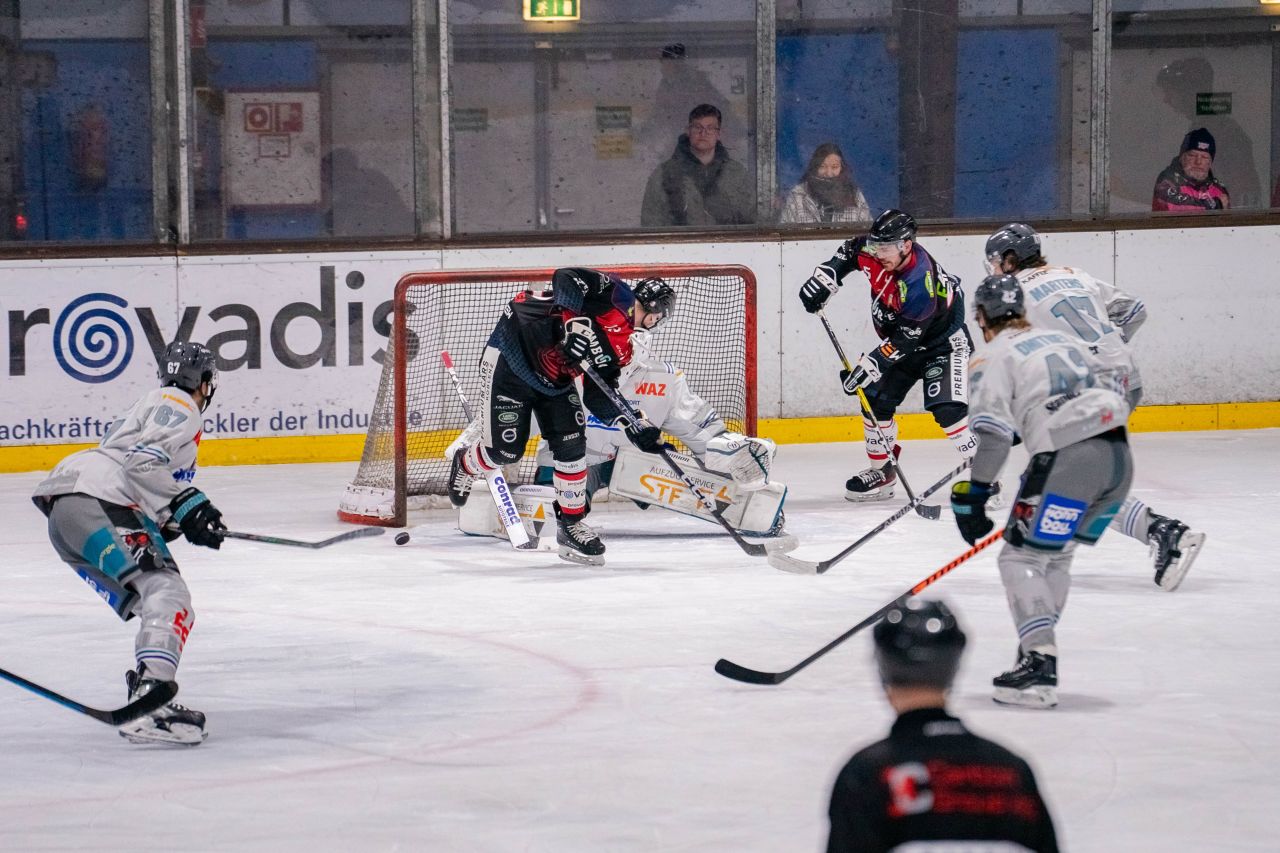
column 646, row 479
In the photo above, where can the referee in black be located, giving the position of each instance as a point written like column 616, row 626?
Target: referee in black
column 931, row 779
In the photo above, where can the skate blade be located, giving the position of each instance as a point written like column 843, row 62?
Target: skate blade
column 1189, row 544
column 572, row 556
column 1040, row 696
column 868, row 497
column 181, row 735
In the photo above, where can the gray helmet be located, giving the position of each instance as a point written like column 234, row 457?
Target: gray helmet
column 892, row 226
column 655, row 296
column 188, row 365
column 1016, row 237
column 919, row 643
column 999, row 296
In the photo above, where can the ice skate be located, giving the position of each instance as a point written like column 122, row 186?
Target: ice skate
column 873, row 484
column 578, row 542
column 1174, row 548
column 171, row 723
column 1033, row 683
column 459, row 480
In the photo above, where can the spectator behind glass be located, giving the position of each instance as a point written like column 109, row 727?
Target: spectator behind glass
column 700, row 185
column 826, row 192
column 1187, row 183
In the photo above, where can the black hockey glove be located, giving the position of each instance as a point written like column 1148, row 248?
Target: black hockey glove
column 579, row 339
column 199, row 520
column 864, row 372
column 815, row 292
column 969, row 503
column 645, row 436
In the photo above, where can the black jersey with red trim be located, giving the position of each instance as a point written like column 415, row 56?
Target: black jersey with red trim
column 915, row 307
column 933, row 780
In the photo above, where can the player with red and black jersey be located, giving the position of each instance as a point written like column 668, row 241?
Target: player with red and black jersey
column 918, row 312
column 529, row 367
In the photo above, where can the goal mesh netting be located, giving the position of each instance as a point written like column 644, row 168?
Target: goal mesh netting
column 416, row 412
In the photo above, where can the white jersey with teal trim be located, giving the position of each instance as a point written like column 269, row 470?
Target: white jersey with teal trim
column 1045, row 386
column 1098, row 313
column 146, row 458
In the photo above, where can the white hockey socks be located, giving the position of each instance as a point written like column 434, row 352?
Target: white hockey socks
column 965, row 442
column 570, row 480
column 1133, row 519
column 877, row 450
column 476, row 462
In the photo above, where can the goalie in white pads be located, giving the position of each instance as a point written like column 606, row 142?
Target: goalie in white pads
column 112, row 508
column 731, row 467
column 1105, row 318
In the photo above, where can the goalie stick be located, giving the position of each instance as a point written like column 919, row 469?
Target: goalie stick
column 930, row 511
column 737, row 672
column 499, row 490
column 158, row 695
column 629, row 415
column 300, row 543
column 788, row 563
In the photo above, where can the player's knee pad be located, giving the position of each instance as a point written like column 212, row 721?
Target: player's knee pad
column 568, row 448
column 882, row 409
column 949, row 414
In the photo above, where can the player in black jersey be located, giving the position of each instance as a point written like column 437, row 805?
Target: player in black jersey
column 932, row 780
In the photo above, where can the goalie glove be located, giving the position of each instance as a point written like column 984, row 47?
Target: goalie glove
column 815, row 292
column 969, row 503
column 864, row 372
column 579, row 339
column 746, row 459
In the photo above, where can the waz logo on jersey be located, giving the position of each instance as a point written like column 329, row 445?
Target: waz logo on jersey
column 94, row 335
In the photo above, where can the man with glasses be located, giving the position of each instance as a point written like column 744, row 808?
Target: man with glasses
column 918, row 312
column 700, row 185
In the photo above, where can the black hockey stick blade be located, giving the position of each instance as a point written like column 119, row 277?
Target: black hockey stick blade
column 737, row 672
column 359, row 533
column 787, row 563
column 158, row 695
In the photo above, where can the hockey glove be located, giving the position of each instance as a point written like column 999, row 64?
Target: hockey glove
column 863, row 373
column 199, row 520
column 579, row 339
column 645, row 436
column 969, row 503
column 815, row 292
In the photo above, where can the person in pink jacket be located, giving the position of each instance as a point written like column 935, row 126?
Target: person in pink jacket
column 1187, row 183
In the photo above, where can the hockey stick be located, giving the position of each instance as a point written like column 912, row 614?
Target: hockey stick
column 158, row 695
column 360, row 533
column 787, row 563
column 498, row 488
column 930, row 511
column 630, row 416
column 729, row 669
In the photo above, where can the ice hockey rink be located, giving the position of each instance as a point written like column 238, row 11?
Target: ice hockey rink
column 453, row 695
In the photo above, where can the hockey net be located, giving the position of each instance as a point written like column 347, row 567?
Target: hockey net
column 416, row 412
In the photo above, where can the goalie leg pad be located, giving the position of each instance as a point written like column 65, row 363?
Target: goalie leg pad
column 748, row 460
column 479, row 517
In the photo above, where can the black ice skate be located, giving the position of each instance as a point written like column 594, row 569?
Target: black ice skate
column 873, row 484
column 171, row 723
column 578, row 542
column 1174, row 548
column 1033, row 683
column 459, row 480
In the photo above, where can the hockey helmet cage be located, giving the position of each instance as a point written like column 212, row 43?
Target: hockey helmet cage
column 892, row 226
column 919, row 642
column 189, row 365
column 999, row 296
column 655, row 297
column 1016, row 237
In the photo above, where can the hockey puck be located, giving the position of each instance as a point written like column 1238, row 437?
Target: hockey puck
column 402, row 538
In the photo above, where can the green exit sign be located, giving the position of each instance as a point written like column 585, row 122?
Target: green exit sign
column 552, row 10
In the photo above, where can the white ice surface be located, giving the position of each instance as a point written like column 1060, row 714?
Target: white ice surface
column 453, row 695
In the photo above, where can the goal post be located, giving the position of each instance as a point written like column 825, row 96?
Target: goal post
column 416, row 413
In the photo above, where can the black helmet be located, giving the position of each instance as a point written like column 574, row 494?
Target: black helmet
column 655, row 297
column 999, row 296
column 919, row 643
column 1016, row 237
column 892, row 226
column 188, row 365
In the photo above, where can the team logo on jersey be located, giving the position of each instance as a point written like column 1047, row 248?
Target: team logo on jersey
column 652, row 389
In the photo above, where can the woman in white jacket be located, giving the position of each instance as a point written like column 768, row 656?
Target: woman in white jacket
column 827, row 192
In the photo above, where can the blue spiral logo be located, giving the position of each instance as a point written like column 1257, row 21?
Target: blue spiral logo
column 93, row 343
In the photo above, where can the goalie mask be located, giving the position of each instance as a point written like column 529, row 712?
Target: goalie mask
column 188, row 366
column 656, row 297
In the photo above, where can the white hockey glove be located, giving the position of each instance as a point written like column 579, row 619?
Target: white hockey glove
column 746, row 459
column 815, row 292
column 864, row 372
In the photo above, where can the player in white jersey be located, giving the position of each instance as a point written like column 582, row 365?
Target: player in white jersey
column 112, row 508
column 1049, row 389
column 1106, row 318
